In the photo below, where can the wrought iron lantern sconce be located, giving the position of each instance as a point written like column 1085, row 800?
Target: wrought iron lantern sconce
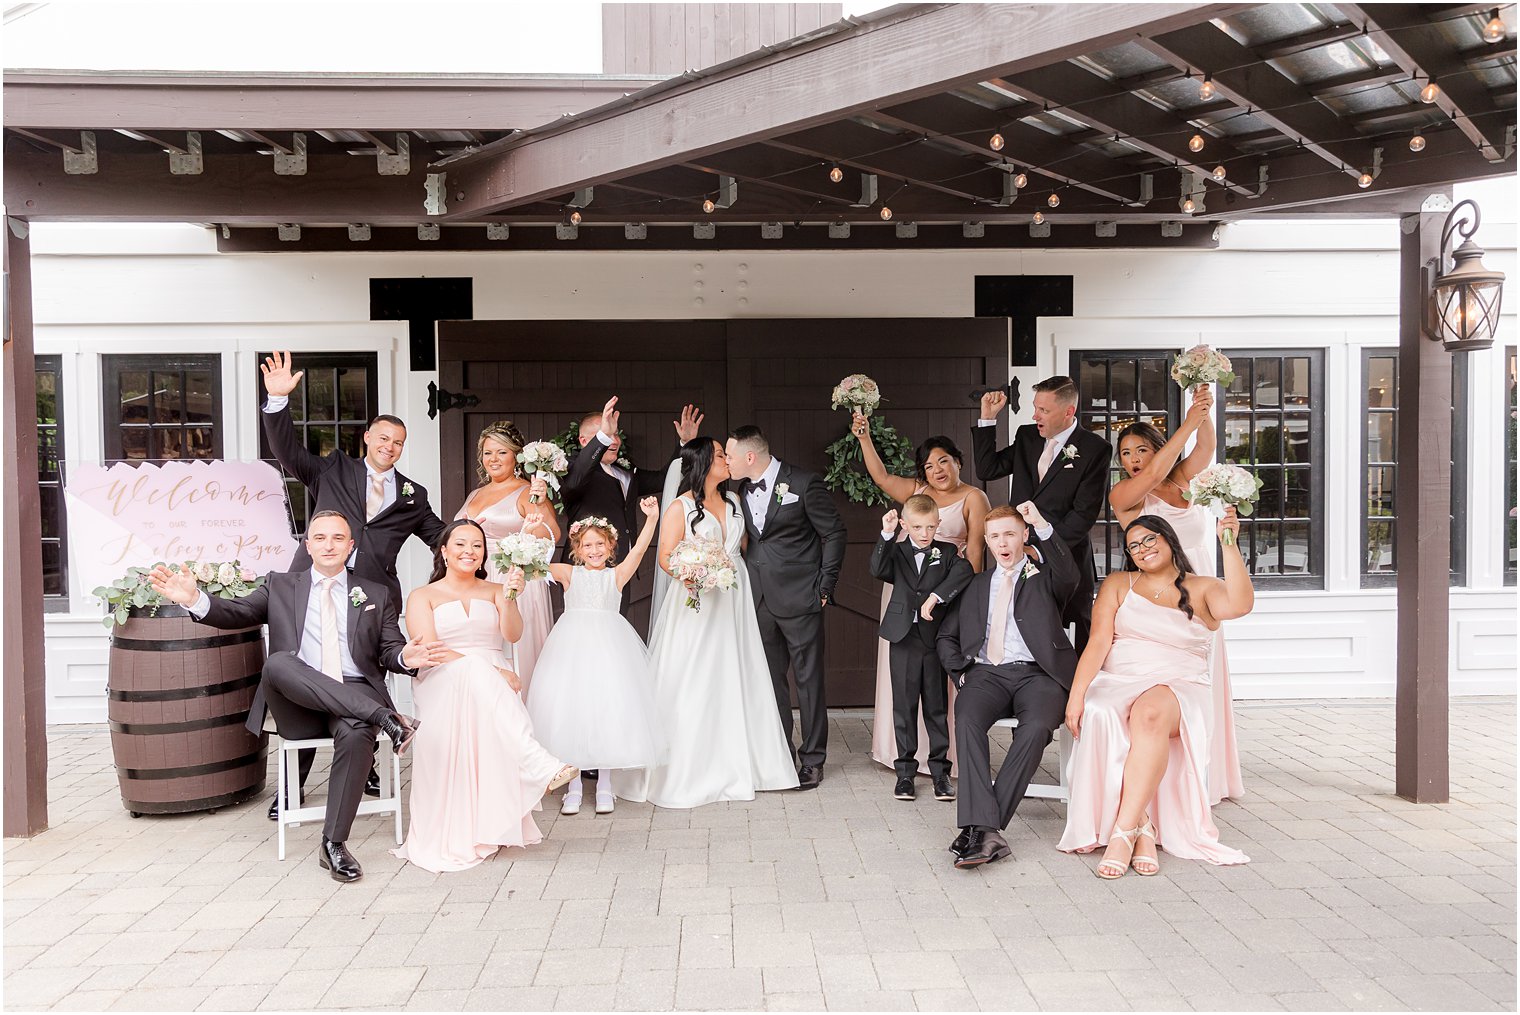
column 1463, row 305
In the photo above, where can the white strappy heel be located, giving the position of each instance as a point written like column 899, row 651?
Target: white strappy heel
column 1113, row 870
column 1147, row 830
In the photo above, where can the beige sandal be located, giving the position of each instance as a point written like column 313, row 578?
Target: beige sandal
column 1148, row 831
column 563, row 777
column 1118, row 869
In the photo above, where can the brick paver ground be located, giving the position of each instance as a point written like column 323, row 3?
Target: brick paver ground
column 842, row 899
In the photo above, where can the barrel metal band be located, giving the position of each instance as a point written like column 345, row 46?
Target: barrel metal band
column 186, row 806
column 192, row 770
column 184, row 644
column 189, row 726
column 184, row 693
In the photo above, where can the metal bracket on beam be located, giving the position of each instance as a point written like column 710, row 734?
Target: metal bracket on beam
column 1147, row 191
column 907, row 230
column 436, row 195
column 498, row 231
column 399, row 164
column 1509, row 144
column 635, row 231
column 1010, row 192
column 566, row 230
column 226, row 231
column 973, row 230
column 293, row 164
column 1261, row 182
column 867, row 191
column 1193, row 189
column 82, row 162
column 358, row 232
column 770, row 230
column 1039, row 230
column 581, row 198
column 728, row 192
column 290, row 232
column 703, row 231
column 1171, row 230
column 839, row 230
column 188, row 162
column 428, row 231
column 1106, row 230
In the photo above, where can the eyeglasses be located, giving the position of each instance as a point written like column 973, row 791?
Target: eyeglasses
column 1142, row 544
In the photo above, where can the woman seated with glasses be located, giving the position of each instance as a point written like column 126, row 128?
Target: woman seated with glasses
column 1141, row 702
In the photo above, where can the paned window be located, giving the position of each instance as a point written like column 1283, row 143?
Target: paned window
column 1509, row 466
column 162, row 408
column 55, row 556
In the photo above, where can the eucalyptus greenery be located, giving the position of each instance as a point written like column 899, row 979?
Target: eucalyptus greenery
column 226, row 580
column 846, row 470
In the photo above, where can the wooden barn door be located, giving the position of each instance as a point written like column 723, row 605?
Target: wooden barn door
column 543, row 374
column 780, row 373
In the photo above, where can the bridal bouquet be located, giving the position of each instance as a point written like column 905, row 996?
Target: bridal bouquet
column 531, row 553
column 701, row 565
column 1202, row 365
column 858, row 393
column 1221, row 486
column 223, row 579
column 546, row 459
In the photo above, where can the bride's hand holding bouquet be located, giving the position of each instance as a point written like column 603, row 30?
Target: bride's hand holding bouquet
column 701, row 565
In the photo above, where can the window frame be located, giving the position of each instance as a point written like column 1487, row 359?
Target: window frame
column 54, row 602
column 113, row 365
column 1315, row 577
column 1508, row 534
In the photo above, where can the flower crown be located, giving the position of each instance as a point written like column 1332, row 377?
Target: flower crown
column 594, row 522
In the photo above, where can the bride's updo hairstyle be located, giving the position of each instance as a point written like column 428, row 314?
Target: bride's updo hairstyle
column 1163, row 528
column 578, row 532
column 439, row 567
column 502, row 430
column 696, row 463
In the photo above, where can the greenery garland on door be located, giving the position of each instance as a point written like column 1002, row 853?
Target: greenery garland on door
column 846, row 471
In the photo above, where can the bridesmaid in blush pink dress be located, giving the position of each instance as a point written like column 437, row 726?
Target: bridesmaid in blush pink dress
column 1156, row 475
column 477, row 771
column 500, row 506
column 1140, row 706
column 962, row 520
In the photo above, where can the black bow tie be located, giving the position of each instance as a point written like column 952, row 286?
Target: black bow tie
column 755, row 484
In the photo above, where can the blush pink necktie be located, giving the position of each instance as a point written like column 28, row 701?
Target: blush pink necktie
column 999, row 631
column 1048, row 456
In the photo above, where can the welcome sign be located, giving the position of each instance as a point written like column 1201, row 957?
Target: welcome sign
column 124, row 516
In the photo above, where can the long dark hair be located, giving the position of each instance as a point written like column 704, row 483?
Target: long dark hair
column 696, row 463
column 939, row 442
column 1149, row 434
column 439, row 567
column 1163, row 528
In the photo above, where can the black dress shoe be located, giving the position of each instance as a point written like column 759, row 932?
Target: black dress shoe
column 983, row 846
column 809, row 776
column 942, row 788
column 274, row 806
column 904, row 790
column 372, row 784
column 335, row 858
column 400, row 729
column 958, row 844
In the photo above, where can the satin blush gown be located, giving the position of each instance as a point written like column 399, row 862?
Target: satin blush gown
column 1196, row 531
column 502, row 519
column 952, row 529
column 1153, row 645
column 477, row 772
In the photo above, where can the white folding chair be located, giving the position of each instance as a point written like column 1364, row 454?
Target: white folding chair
column 1059, row 790
column 288, row 788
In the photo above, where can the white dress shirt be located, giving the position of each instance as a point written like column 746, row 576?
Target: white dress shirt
column 1015, row 650
column 1061, row 438
column 759, row 500
column 617, row 473
column 920, row 555
column 310, row 652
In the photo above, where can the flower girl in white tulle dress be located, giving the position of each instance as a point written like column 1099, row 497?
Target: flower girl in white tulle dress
column 593, row 702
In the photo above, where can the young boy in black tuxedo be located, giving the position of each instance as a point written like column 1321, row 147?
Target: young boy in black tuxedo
column 924, row 573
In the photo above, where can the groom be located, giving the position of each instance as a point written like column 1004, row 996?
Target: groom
column 796, row 547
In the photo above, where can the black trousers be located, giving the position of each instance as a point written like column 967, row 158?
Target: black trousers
column 307, row 704
column 917, row 676
column 989, row 693
column 798, row 640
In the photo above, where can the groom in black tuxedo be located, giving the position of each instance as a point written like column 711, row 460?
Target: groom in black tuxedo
column 1004, row 643
column 1062, row 467
column 331, row 640
column 796, row 547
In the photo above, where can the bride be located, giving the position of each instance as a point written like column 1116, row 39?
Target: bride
column 712, row 684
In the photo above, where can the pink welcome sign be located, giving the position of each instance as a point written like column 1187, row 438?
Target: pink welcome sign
column 125, row 516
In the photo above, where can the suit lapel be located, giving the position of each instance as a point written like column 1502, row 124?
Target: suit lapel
column 749, row 521
column 400, row 481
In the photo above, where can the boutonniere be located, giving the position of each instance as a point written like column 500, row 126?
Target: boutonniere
column 356, row 595
column 407, row 489
column 1030, row 570
column 1070, row 453
column 934, row 555
column 781, row 491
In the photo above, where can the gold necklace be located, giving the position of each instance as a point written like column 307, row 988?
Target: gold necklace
column 1157, row 594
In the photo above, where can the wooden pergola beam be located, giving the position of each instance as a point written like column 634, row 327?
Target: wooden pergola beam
column 1419, row 48
column 1295, row 44
column 895, row 157
column 907, row 53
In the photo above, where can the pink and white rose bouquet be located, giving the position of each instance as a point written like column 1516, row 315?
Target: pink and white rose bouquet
column 546, row 459
column 531, row 553
column 701, row 565
column 1223, row 485
column 858, row 393
column 1202, row 365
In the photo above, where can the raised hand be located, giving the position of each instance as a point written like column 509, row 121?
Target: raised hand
column 419, row 653
column 178, row 587
column 650, row 506
column 993, row 402
column 689, row 423
column 1203, row 402
column 533, row 519
column 1031, row 515
column 861, row 427
column 889, row 521
column 278, row 380
column 538, row 489
column 1229, row 523
column 610, row 417
column 515, row 582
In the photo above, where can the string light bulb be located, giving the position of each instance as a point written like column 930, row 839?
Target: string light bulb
column 1364, row 181
column 1039, row 217
column 1188, row 206
column 1054, row 200
column 995, row 142
column 1430, row 92
column 1195, row 143
column 886, row 213
column 1020, row 181
column 575, row 218
column 1218, row 174
column 708, row 205
column 1417, row 143
column 1494, row 31
column 836, row 174
column 1206, row 90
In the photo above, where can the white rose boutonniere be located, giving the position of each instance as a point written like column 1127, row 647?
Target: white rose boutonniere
column 1030, row 570
column 781, row 490
column 1070, row 453
column 407, row 489
column 934, row 555
column 356, row 595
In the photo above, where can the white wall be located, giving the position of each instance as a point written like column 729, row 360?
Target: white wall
column 1289, row 284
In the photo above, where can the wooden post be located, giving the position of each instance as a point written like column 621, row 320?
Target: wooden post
column 1423, row 510
column 24, row 672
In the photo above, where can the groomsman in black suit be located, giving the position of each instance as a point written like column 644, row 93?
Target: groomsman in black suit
column 1004, row 642
column 796, row 547
column 331, row 640
column 1062, row 467
column 924, row 573
column 384, row 508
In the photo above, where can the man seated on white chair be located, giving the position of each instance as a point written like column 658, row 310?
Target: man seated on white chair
column 330, row 642
column 1005, row 645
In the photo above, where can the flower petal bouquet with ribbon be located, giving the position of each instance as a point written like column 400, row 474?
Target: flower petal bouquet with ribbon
column 223, row 579
column 701, row 565
column 858, row 393
column 531, row 553
column 1202, row 365
column 546, row 459
column 1224, row 486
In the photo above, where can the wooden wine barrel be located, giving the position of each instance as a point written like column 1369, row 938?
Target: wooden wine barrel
column 179, row 695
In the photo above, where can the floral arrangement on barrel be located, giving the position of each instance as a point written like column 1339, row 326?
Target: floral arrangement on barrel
column 224, row 579
column 546, row 459
column 569, row 441
column 859, row 393
column 701, row 565
column 530, row 553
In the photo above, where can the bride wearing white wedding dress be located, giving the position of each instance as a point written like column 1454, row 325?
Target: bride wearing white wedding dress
column 712, row 684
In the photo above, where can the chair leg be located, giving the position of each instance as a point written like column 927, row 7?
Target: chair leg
column 395, row 781
column 280, row 798
column 1065, row 764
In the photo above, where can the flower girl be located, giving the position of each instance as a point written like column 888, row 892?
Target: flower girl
column 593, row 697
